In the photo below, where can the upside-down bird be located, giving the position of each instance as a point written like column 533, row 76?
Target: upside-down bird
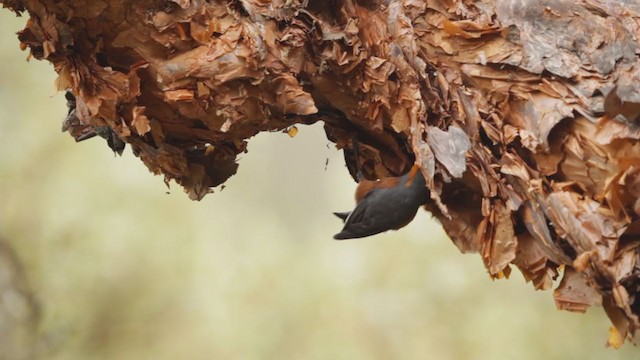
column 81, row 132
column 385, row 204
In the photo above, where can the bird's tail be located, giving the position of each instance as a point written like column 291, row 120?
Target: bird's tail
column 342, row 215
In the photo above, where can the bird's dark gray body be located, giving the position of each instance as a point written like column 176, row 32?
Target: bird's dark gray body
column 385, row 209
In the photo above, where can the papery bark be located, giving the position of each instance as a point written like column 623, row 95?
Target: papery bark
column 523, row 115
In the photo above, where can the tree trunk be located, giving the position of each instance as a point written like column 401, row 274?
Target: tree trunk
column 523, row 115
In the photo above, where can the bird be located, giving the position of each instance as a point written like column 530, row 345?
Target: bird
column 81, row 132
column 386, row 204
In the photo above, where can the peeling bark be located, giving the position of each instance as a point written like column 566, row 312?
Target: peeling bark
column 523, row 115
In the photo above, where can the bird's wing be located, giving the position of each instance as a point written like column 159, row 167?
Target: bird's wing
column 360, row 223
column 357, row 215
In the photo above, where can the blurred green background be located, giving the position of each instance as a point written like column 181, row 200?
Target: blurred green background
column 120, row 269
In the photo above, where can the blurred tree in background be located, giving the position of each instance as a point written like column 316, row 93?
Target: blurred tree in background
column 118, row 268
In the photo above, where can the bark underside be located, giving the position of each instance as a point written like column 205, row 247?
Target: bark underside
column 523, row 115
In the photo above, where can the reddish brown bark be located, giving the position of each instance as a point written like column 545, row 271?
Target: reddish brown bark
column 522, row 115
